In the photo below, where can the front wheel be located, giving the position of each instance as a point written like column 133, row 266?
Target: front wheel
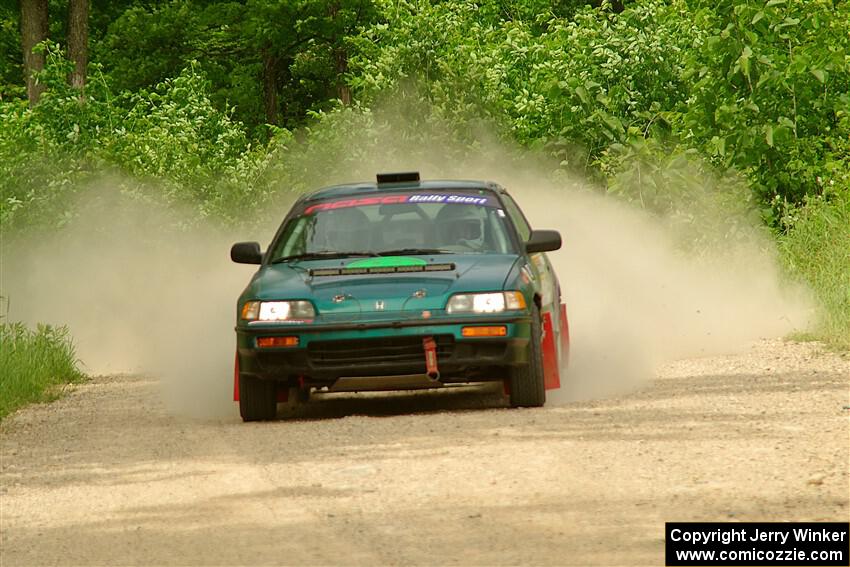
column 527, row 381
column 257, row 399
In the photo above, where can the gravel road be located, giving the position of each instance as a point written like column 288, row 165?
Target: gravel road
column 105, row 476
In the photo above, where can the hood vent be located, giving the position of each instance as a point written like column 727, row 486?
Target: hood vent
column 381, row 270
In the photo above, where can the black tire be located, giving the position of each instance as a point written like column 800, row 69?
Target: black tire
column 257, row 399
column 527, row 385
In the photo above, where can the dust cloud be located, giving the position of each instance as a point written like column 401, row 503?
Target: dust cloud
column 637, row 300
column 141, row 294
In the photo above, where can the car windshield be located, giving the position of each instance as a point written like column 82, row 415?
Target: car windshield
column 407, row 223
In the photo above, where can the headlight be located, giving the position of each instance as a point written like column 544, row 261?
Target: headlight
column 278, row 311
column 485, row 302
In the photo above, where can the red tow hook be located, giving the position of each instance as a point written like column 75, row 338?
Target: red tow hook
column 431, row 367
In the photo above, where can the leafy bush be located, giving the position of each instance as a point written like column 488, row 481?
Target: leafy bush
column 169, row 144
column 33, row 364
column 816, row 249
column 758, row 87
column 46, row 152
column 707, row 209
column 770, row 90
column 574, row 85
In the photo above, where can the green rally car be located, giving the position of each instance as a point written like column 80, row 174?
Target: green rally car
column 399, row 284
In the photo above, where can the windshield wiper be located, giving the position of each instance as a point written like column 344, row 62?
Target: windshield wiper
column 322, row 255
column 413, row 251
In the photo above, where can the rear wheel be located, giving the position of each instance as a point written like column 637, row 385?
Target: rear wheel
column 527, row 388
column 257, row 399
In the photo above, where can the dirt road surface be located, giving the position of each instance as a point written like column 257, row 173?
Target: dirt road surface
column 106, row 476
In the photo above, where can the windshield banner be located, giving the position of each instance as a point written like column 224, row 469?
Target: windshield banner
column 448, row 198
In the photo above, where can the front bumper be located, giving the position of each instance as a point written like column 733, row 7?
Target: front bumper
column 326, row 352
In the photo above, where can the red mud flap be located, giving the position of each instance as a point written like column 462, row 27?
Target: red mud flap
column 565, row 338
column 551, row 375
column 236, row 379
column 431, row 367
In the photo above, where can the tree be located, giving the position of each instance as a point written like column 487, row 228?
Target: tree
column 33, row 32
column 273, row 60
column 270, row 84
column 78, row 35
column 340, row 56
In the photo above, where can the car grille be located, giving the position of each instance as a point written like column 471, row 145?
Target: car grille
column 387, row 351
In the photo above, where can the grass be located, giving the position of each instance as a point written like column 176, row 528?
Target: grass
column 33, row 363
column 816, row 249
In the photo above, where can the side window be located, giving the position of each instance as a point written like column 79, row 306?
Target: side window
column 519, row 221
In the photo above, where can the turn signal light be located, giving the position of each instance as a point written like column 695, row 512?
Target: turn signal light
column 266, row 342
column 500, row 331
column 514, row 300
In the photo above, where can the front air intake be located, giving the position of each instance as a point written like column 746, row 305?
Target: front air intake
column 319, row 272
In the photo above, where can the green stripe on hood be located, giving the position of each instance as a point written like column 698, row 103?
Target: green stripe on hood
column 387, row 262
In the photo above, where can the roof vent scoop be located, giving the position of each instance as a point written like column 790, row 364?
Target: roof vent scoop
column 398, row 177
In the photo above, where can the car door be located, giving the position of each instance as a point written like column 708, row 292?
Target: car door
column 539, row 263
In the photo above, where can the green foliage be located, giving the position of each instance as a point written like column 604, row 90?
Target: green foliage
column 11, row 59
column 770, row 87
column 758, row 87
column 38, row 152
column 33, row 364
column 576, row 86
column 816, row 249
column 246, row 47
column 147, row 44
column 172, row 141
column 708, row 210
column 176, row 136
column 46, row 150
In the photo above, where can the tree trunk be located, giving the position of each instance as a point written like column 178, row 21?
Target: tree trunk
column 33, row 32
column 343, row 91
column 270, row 73
column 78, row 40
column 340, row 57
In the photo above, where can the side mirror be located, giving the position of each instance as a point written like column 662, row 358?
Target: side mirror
column 543, row 241
column 246, row 253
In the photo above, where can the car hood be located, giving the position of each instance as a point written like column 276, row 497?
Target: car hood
column 342, row 296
